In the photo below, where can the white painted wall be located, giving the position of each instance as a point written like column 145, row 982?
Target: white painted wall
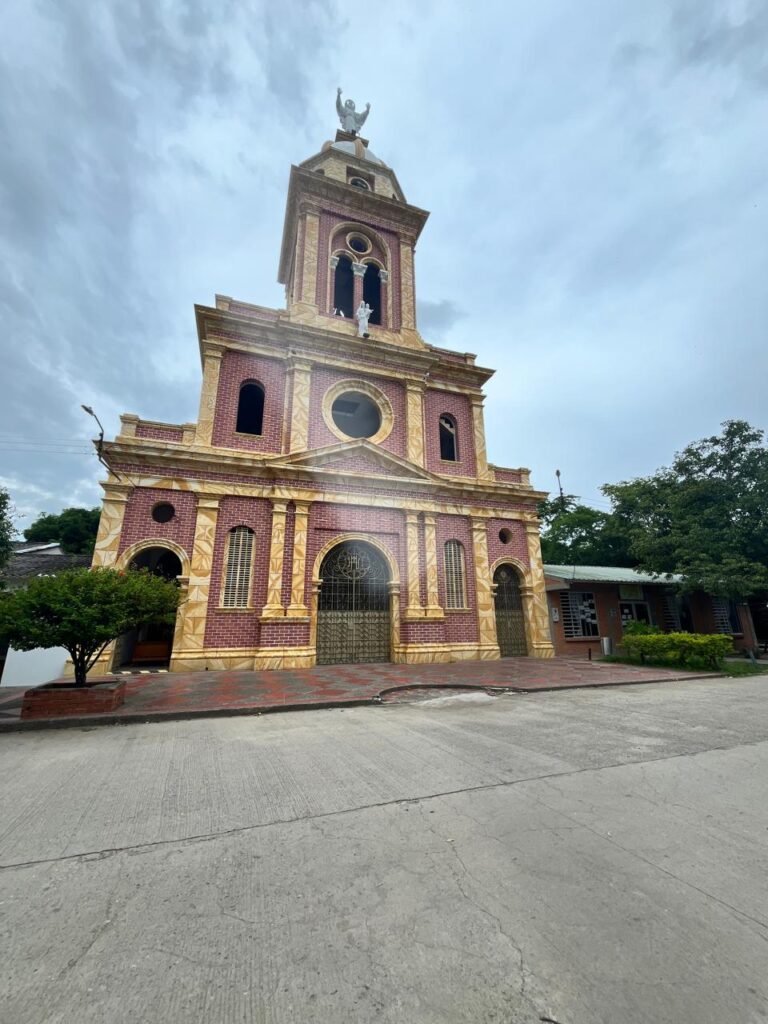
column 29, row 668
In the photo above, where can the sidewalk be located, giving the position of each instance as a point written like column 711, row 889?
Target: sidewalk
column 158, row 696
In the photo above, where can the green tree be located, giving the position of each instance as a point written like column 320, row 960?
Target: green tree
column 706, row 516
column 575, row 534
column 6, row 529
column 82, row 610
column 74, row 528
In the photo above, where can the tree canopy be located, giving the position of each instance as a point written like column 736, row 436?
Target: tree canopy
column 575, row 534
column 6, row 529
column 74, row 528
column 82, row 610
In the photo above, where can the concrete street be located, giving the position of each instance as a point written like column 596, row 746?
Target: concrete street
column 589, row 856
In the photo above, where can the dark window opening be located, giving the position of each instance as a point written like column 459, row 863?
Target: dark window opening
column 356, row 414
column 343, row 286
column 505, row 535
column 163, row 512
column 250, row 409
column 448, row 439
column 372, row 292
column 359, row 243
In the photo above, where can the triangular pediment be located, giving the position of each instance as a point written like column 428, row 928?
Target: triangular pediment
column 355, row 457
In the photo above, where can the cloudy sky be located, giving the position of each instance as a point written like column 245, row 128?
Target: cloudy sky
column 596, row 174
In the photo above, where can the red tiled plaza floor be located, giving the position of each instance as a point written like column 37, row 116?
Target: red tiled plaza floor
column 181, row 694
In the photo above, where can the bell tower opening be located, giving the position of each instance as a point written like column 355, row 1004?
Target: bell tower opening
column 372, row 292
column 344, row 286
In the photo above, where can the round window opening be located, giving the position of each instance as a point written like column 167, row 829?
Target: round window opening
column 163, row 512
column 356, row 415
column 505, row 536
column 359, row 183
column 358, row 243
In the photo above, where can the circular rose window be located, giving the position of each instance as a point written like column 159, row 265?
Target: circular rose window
column 356, row 415
column 163, row 512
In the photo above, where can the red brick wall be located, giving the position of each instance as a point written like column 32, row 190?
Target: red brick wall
column 427, row 632
column 435, row 404
column 460, row 627
column 322, row 379
column 229, row 628
column 516, row 548
column 509, row 476
column 173, row 434
column 236, row 368
column 139, row 524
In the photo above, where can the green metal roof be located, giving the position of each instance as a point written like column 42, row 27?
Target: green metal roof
column 606, row 574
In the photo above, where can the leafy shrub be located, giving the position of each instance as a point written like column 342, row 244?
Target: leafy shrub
column 637, row 628
column 679, row 648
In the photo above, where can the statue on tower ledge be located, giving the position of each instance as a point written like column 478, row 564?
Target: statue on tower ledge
column 351, row 121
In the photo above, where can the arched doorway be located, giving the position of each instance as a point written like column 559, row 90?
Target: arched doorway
column 353, row 608
column 510, row 617
column 150, row 644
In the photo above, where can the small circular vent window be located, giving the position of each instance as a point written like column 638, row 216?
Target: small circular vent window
column 358, row 243
column 356, row 415
column 505, row 536
column 163, row 512
column 360, row 183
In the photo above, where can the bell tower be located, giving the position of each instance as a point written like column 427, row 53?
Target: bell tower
column 349, row 240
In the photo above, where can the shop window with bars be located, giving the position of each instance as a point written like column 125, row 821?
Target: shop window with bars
column 579, row 614
column 455, row 585
column 237, row 581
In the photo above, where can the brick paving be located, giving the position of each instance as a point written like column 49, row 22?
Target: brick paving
column 162, row 695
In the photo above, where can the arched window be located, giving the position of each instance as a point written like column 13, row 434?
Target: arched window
column 250, row 408
column 455, row 583
column 372, row 292
column 448, row 451
column 237, row 581
column 343, row 286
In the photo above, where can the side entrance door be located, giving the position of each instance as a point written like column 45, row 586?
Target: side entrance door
column 510, row 618
column 353, row 611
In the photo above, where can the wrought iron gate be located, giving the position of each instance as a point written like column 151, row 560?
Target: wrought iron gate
column 353, row 619
column 510, row 618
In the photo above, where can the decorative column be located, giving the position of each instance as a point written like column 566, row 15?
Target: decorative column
column 394, row 606
column 110, row 524
column 189, row 637
column 273, row 609
column 433, row 609
column 314, row 601
column 481, row 457
column 386, row 312
column 414, row 421
column 297, row 607
column 535, row 598
column 358, row 269
column 414, row 608
column 309, row 262
column 407, row 286
column 211, row 370
column 488, row 645
column 298, row 427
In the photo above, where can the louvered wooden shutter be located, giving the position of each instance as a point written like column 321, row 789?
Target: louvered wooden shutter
column 455, row 588
column 237, row 583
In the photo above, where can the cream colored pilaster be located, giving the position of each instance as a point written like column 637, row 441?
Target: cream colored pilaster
column 414, row 413
column 358, row 270
column 110, row 524
column 314, row 601
column 486, row 613
column 414, row 608
column 309, row 269
column 273, row 609
column 128, row 423
column 297, row 607
column 535, row 598
column 394, row 606
column 299, row 424
column 211, row 370
column 407, row 286
column 481, row 457
column 433, row 609
column 189, row 636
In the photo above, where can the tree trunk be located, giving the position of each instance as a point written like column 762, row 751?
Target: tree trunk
column 79, row 665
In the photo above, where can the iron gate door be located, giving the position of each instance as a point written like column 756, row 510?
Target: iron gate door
column 510, row 619
column 353, row 620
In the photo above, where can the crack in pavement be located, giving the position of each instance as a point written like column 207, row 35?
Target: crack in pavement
column 89, row 855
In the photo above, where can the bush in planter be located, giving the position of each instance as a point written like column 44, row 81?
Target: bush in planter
column 82, row 610
column 679, row 648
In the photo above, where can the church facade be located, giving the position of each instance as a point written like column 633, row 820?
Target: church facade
column 333, row 501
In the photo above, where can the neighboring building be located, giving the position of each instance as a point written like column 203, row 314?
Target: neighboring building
column 28, row 560
column 333, row 502
column 587, row 602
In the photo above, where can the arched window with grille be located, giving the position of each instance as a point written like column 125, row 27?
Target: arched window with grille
column 250, row 408
column 237, row 579
column 455, row 575
column 448, row 439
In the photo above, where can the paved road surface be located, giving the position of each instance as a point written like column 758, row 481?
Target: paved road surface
column 585, row 857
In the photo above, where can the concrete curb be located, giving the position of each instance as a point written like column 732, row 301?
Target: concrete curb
column 91, row 721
